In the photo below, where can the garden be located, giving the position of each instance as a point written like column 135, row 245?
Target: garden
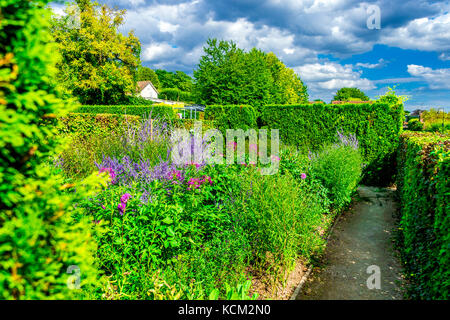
column 94, row 206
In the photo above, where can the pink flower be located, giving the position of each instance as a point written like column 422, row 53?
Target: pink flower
column 103, row 207
column 111, row 173
column 124, row 198
column 303, row 176
column 122, row 206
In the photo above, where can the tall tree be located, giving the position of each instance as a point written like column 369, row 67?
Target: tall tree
column 348, row 94
column 98, row 63
column 147, row 74
column 174, row 80
column 228, row 75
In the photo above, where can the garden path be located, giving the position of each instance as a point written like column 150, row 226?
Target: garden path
column 362, row 237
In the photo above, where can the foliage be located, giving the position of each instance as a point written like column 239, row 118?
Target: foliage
column 232, row 116
column 376, row 126
column 338, row 167
column 415, row 125
column 38, row 238
column 424, row 188
column 175, row 94
column 392, row 98
column 177, row 79
column 98, row 64
column 147, row 74
column 228, row 75
column 155, row 111
column 350, row 94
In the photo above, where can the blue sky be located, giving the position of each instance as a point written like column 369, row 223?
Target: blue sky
column 327, row 42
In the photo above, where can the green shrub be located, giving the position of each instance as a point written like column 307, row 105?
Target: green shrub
column 175, row 94
column 38, row 239
column 232, row 116
column 338, row 167
column 377, row 127
column 92, row 124
column 156, row 111
column 424, row 188
column 415, row 125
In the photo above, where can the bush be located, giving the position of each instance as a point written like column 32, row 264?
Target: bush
column 338, row 167
column 423, row 189
column 232, row 116
column 377, row 127
column 156, row 111
column 175, row 94
column 91, row 124
column 38, row 239
column 415, row 125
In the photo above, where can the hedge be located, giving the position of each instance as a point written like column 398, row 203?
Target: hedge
column 84, row 124
column 164, row 111
column 308, row 126
column 189, row 124
column 175, row 94
column 424, row 189
column 232, row 116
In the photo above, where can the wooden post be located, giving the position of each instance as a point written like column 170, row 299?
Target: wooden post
column 151, row 129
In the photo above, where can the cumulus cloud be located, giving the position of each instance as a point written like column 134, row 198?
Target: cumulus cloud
column 380, row 64
column 435, row 78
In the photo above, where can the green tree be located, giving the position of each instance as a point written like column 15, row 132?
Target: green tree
column 38, row 238
column 98, row 63
column 174, row 80
column 287, row 87
column 349, row 94
column 228, row 75
column 147, row 74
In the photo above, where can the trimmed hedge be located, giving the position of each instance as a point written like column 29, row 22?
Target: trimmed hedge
column 424, row 189
column 189, row 124
column 175, row 94
column 88, row 123
column 377, row 127
column 163, row 111
column 232, row 116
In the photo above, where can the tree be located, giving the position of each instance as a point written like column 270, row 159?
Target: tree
column 228, row 75
column 39, row 239
column 350, row 94
column 98, row 63
column 287, row 87
column 147, row 74
column 174, row 80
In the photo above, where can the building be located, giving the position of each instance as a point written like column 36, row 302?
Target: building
column 147, row 90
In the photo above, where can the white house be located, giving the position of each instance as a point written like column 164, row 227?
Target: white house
column 147, row 90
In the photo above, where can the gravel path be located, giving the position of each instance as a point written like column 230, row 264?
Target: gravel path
column 362, row 237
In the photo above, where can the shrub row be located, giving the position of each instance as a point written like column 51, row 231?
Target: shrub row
column 175, row 94
column 162, row 111
column 83, row 124
column 232, row 116
column 377, row 127
column 424, row 188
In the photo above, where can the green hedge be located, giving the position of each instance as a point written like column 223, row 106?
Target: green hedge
column 175, row 94
column 189, row 124
column 377, row 127
column 164, row 111
column 84, row 124
column 232, row 116
column 424, row 189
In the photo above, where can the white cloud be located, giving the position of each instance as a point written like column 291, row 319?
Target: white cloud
column 167, row 27
column 427, row 34
column 435, row 78
column 157, row 51
column 381, row 63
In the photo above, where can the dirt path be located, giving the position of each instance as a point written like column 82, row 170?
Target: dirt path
column 362, row 237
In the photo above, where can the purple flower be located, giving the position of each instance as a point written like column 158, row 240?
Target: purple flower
column 303, row 176
column 122, row 206
column 124, row 198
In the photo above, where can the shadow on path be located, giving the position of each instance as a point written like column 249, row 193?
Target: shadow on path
column 362, row 237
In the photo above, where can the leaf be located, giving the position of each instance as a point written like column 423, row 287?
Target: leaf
column 167, row 220
column 170, row 232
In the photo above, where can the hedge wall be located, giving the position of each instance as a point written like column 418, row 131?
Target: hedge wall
column 232, row 116
column 164, row 111
column 175, row 94
column 89, row 123
column 424, row 189
column 308, row 127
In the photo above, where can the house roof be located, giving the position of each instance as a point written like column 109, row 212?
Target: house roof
column 142, row 84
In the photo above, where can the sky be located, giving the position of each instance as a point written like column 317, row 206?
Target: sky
column 330, row 44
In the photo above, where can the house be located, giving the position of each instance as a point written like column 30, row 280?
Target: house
column 147, row 90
